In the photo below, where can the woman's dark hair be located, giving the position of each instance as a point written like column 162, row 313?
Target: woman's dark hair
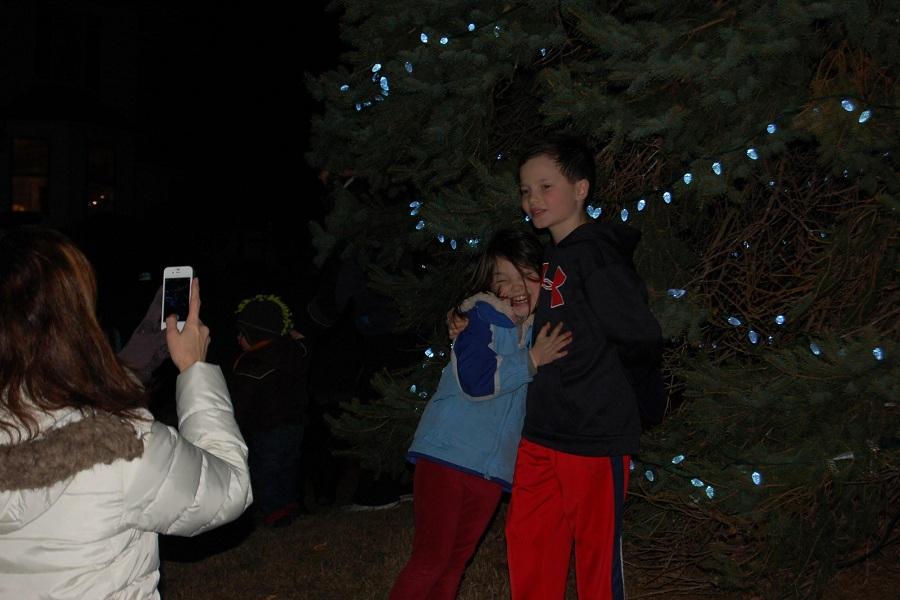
column 53, row 352
column 521, row 248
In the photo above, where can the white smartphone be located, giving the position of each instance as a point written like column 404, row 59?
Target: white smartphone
column 176, row 297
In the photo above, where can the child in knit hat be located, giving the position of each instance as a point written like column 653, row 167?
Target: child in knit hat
column 269, row 390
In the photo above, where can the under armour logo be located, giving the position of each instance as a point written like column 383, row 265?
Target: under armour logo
column 559, row 278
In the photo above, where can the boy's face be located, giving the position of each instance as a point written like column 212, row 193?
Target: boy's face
column 550, row 199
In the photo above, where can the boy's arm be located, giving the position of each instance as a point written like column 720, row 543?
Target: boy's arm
column 483, row 374
column 618, row 300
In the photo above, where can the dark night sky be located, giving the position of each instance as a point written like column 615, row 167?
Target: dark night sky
column 221, row 104
column 221, row 99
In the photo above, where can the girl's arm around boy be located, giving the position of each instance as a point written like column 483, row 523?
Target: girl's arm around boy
column 491, row 356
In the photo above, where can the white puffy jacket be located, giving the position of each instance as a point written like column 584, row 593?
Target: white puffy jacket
column 93, row 534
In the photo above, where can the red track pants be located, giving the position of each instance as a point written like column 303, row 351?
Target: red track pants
column 558, row 499
column 452, row 511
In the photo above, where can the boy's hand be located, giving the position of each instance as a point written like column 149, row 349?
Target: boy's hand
column 550, row 345
column 455, row 324
column 189, row 345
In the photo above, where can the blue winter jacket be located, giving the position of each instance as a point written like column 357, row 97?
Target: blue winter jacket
column 474, row 420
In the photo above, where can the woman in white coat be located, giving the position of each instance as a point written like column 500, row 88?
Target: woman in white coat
column 87, row 478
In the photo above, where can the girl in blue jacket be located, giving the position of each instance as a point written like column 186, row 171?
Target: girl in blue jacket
column 465, row 446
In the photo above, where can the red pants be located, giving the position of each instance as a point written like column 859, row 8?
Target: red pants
column 452, row 511
column 558, row 499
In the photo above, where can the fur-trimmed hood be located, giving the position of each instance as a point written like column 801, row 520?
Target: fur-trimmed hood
column 36, row 471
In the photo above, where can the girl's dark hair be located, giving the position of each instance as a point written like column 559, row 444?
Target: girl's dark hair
column 53, row 353
column 519, row 247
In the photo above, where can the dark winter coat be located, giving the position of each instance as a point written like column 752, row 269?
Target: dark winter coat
column 268, row 386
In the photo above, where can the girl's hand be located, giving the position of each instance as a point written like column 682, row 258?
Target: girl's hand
column 455, row 324
column 550, row 345
column 189, row 345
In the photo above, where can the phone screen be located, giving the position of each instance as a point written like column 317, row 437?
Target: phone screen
column 177, row 293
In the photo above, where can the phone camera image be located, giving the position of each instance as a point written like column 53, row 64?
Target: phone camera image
column 177, row 293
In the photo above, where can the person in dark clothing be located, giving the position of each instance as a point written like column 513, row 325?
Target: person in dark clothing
column 582, row 418
column 268, row 385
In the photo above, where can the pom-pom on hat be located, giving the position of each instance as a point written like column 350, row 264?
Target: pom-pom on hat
column 263, row 317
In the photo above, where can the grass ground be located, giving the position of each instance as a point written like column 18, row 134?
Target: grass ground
column 338, row 555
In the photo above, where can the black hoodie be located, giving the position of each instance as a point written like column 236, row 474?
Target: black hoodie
column 585, row 403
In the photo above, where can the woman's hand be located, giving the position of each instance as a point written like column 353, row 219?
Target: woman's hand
column 189, row 345
column 550, row 345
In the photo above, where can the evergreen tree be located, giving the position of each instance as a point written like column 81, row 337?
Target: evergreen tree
column 754, row 145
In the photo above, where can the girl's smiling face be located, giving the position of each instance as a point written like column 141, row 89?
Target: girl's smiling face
column 519, row 286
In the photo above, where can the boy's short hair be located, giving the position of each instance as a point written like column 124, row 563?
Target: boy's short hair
column 575, row 159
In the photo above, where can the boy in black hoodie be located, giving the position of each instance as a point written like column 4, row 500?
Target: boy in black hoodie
column 582, row 423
